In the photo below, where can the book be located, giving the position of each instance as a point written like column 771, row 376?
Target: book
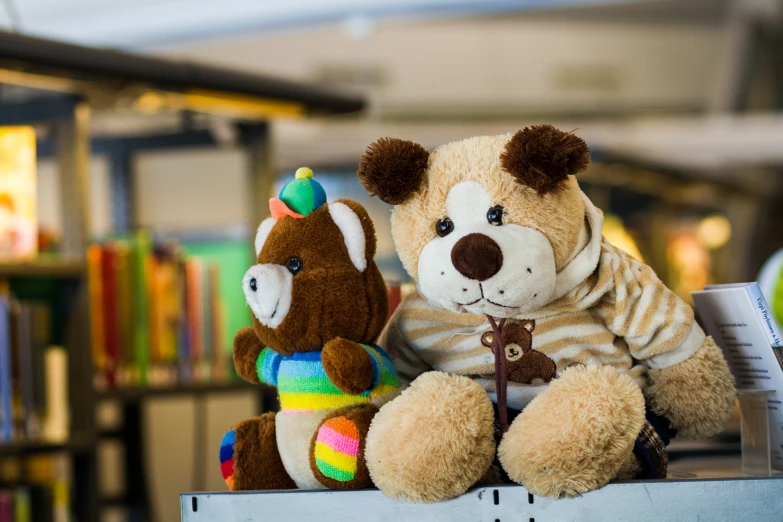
column 6, row 388
column 18, row 198
column 738, row 319
column 161, row 314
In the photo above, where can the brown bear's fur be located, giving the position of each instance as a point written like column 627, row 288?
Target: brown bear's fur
column 335, row 307
column 330, row 297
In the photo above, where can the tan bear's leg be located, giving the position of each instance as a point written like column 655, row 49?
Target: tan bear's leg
column 249, row 456
column 337, row 449
column 432, row 442
column 577, row 435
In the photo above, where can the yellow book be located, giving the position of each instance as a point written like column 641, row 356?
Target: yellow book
column 18, row 215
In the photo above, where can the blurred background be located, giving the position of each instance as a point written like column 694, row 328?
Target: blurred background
column 128, row 190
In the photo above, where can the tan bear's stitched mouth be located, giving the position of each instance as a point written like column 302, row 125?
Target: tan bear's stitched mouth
column 498, row 304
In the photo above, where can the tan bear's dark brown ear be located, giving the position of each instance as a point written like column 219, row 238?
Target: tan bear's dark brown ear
column 393, row 169
column 542, row 157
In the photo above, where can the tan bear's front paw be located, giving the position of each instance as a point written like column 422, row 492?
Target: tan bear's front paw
column 432, row 442
column 577, row 435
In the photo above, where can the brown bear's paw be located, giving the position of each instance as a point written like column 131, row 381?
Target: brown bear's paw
column 249, row 459
column 432, row 442
column 577, row 435
column 337, row 449
column 696, row 395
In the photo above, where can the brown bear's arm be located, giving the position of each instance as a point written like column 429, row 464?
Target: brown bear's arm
column 348, row 366
column 247, row 347
column 696, row 395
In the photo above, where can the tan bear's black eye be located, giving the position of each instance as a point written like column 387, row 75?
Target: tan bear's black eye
column 444, row 227
column 253, row 284
column 294, row 265
column 495, row 215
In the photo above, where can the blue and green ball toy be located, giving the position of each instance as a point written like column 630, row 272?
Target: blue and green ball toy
column 300, row 196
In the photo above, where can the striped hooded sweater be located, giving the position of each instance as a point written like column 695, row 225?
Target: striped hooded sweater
column 608, row 309
column 303, row 385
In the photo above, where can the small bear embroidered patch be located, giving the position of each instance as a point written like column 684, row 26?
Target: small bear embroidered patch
column 524, row 363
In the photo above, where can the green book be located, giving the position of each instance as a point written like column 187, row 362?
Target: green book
column 141, row 250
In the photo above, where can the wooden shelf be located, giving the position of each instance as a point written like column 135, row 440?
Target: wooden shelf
column 75, row 445
column 142, row 392
column 44, row 268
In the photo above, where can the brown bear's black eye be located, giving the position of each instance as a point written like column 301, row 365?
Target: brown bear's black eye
column 444, row 227
column 495, row 215
column 253, row 284
column 294, row 265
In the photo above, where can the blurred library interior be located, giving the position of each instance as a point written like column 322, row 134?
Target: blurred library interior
column 140, row 141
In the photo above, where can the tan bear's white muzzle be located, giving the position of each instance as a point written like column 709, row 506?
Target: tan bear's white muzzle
column 268, row 290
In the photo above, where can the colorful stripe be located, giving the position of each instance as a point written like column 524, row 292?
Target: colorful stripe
column 227, row 458
column 318, row 401
column 304, row 386
column 337, row 449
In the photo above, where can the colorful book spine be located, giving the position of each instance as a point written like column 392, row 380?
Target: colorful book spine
column 95, row 289
column 110, row 324
column 124, row 308
column 6, row 413
column 142, row 247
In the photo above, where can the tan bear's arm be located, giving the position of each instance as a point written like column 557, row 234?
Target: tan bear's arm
column 690, row 382
column 348, row 366
column 696, row 395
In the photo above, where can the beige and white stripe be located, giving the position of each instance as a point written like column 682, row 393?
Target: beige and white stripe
column 621, row 315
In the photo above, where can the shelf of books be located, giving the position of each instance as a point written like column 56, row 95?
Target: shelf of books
column 157, row 318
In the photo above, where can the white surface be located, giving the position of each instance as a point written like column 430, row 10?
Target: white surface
column 738, row 500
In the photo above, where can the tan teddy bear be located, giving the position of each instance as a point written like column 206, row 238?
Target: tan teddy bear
column 603, row 363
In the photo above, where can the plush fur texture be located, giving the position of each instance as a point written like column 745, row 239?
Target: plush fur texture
column 557, row 215
column 337, row 300
column 247, row 346
column 697, row 395
column 542, row 157
column 256, row 442
column 477, row 256
column 393, row 169
column 577, row 435
column 348, row 365
column 294, row 438
column 579, row 431
column 444, row 423
column 330, row 297
column 361, row 417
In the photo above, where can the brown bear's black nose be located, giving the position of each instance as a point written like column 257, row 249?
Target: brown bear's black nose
column 477, row 257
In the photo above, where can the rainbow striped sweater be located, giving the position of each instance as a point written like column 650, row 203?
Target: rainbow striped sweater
column 303, row 384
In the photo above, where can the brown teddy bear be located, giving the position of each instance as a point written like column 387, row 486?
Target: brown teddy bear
column 318, row 303
column 602, row 363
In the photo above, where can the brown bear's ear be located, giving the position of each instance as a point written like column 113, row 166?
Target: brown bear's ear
column 357, row 229
column 528, row 325
column 393, row 169
column 542, row 157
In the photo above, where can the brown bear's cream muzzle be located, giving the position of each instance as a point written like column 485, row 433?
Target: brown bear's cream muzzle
column 268, row 291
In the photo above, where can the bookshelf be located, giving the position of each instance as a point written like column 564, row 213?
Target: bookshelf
column 45, row 268
column 60, row 87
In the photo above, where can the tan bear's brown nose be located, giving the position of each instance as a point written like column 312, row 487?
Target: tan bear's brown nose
column 477, row 257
